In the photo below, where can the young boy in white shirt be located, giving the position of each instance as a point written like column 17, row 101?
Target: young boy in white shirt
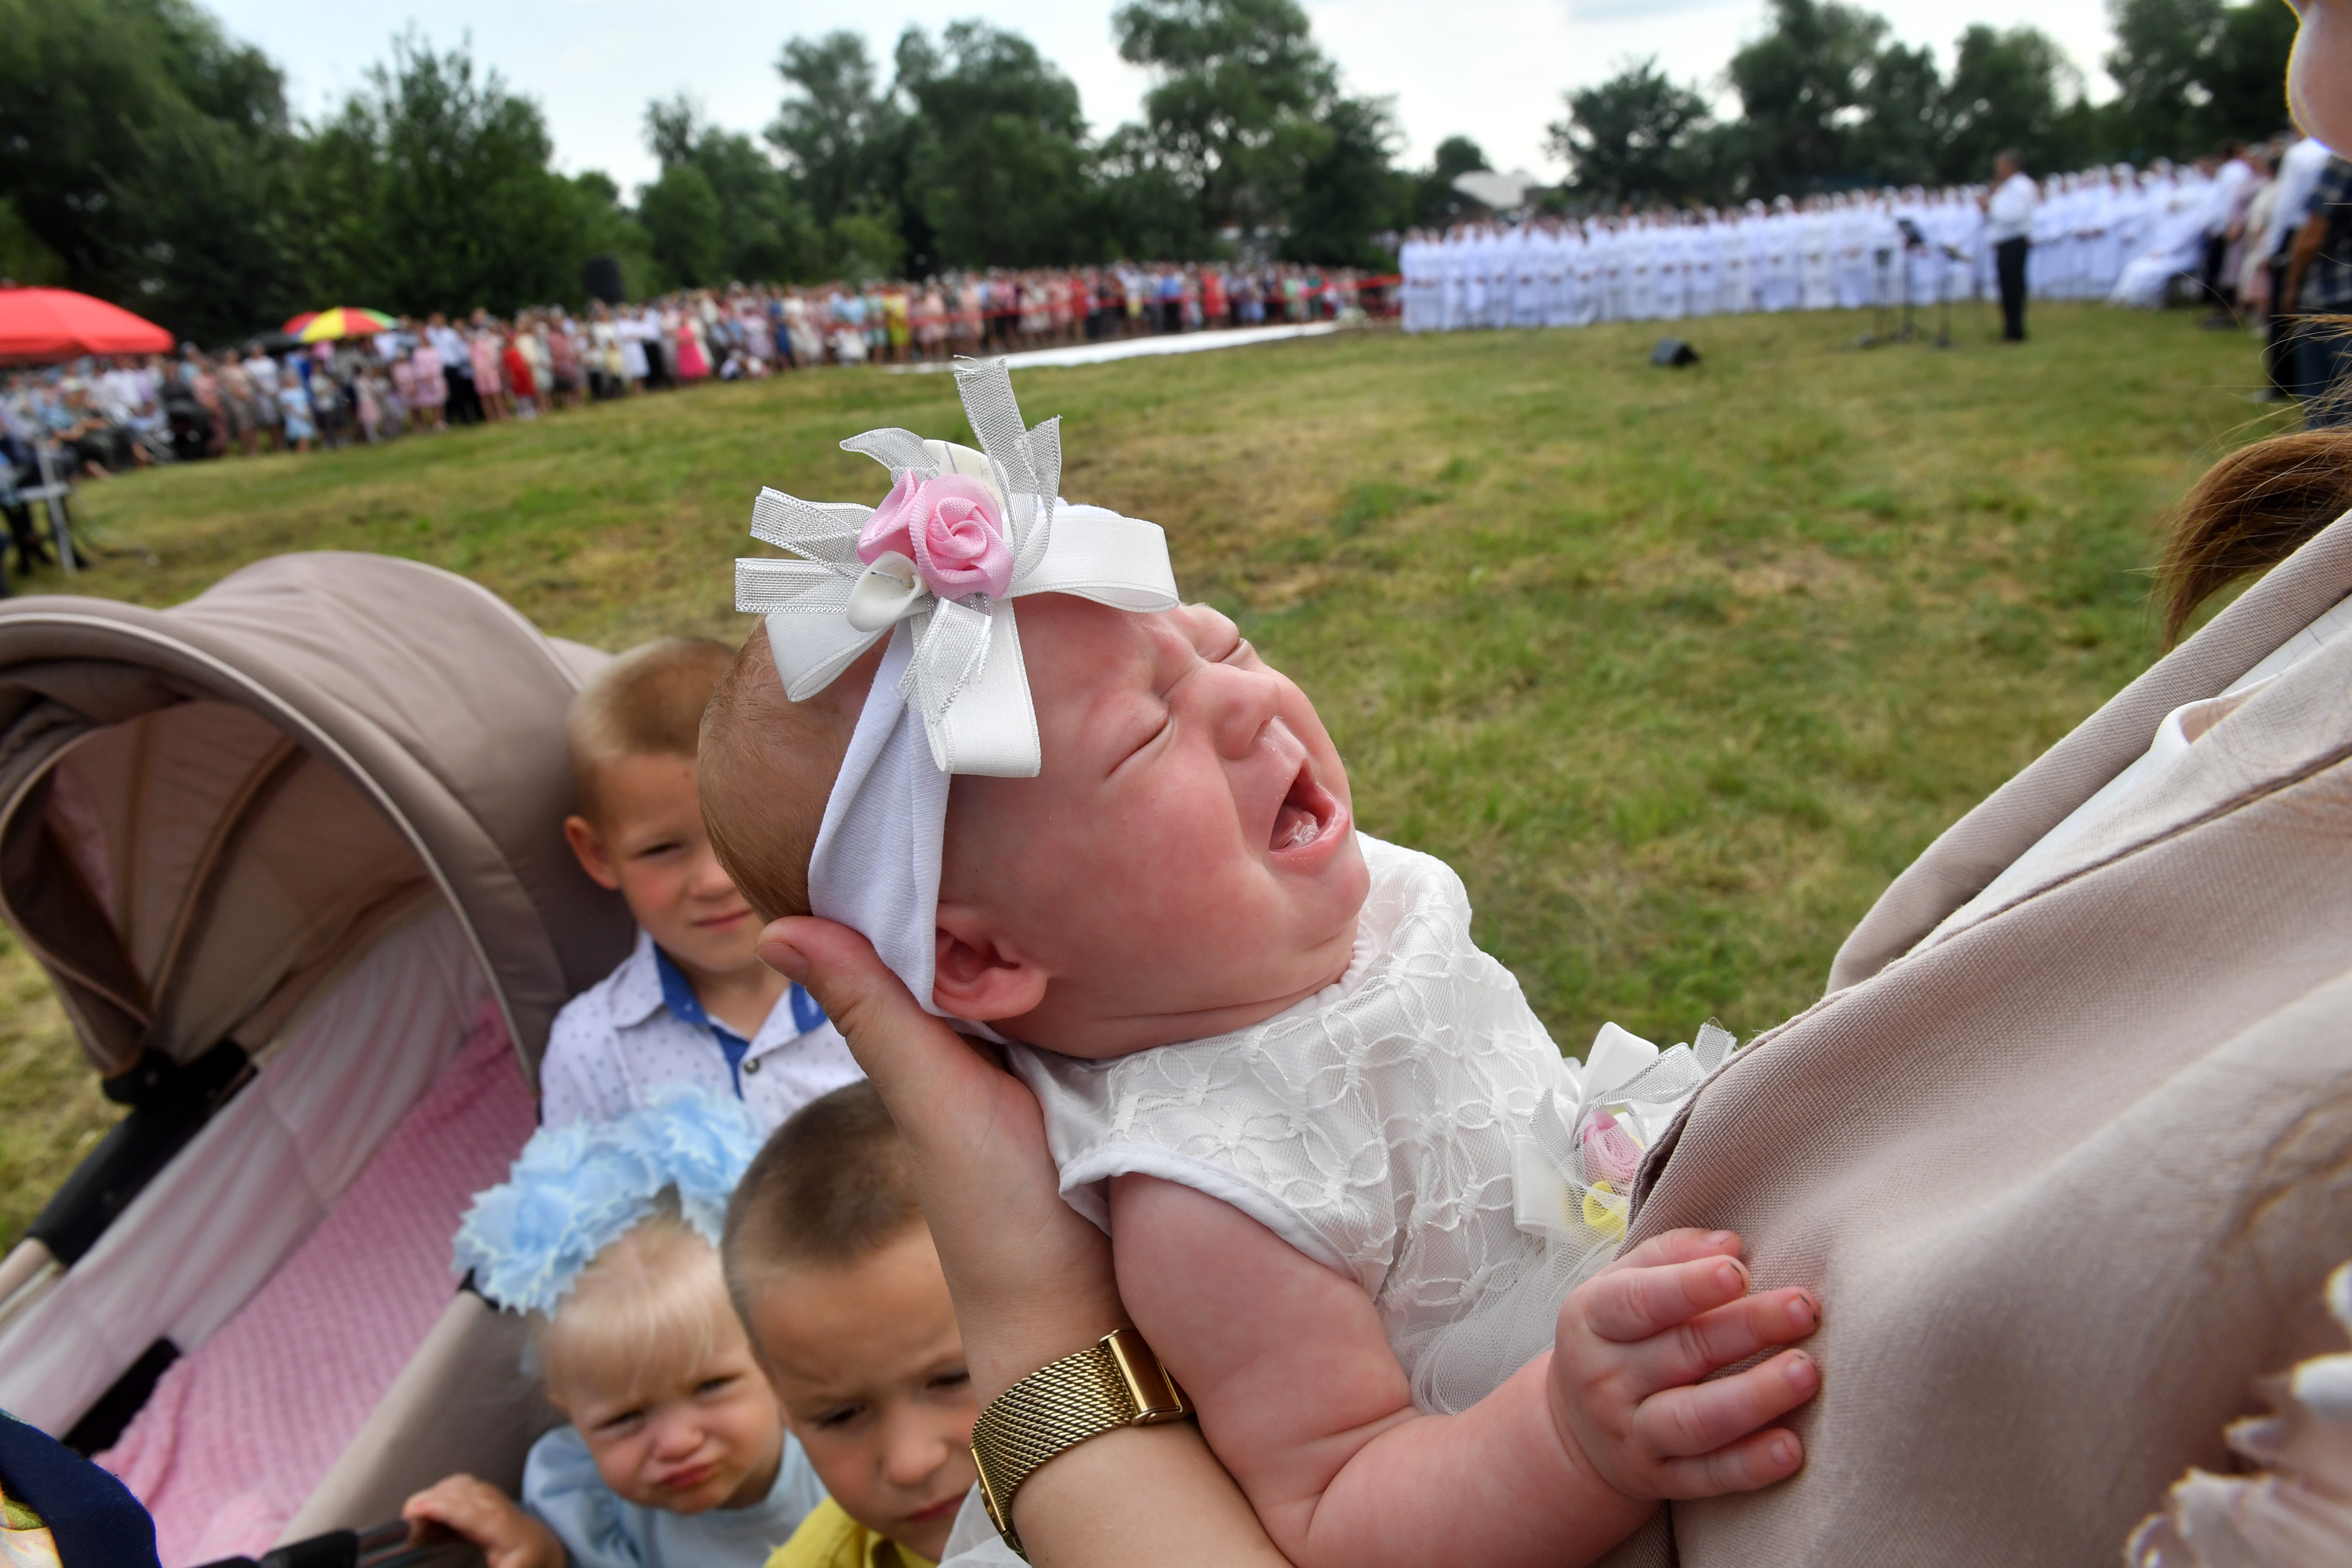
column 692, row 1003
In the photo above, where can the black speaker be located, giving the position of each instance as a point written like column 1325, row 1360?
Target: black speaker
column 1674, row 352
column 600, row 277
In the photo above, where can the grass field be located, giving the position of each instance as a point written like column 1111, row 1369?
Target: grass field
column 1677, row 667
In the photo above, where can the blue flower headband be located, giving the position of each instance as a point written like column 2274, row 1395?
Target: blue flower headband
column 576, row 1190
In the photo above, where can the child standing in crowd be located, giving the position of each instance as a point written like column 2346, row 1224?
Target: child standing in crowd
column 676, row 1455
column 692, row 1003
column 295, row 412
column 834, row 1272
column 522, row 385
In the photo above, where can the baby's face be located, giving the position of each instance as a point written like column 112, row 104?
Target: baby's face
column 703, row 1435
column 1186, row 862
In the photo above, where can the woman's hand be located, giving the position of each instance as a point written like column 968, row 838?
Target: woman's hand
column 1032, row 1278
column 508, row 1537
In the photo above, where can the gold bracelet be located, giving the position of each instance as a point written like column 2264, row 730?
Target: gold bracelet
column 1117, row 1382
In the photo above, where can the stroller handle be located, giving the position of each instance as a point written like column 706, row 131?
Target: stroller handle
column 384, row 1546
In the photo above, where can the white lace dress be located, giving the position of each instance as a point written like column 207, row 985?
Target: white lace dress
column 1413, row 1126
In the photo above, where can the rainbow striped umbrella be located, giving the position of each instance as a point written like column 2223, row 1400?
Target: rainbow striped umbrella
column 342, row 321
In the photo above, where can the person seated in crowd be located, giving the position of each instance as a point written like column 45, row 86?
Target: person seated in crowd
column 675, row 1454
column 692, row 1003
column 833, row 1270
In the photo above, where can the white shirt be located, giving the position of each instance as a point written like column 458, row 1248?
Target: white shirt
column 2299, row 170
column 617, row 1041
column 1379, row 1126
column 2010, row 214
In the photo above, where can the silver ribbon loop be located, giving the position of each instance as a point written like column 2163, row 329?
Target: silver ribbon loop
column 966, row 678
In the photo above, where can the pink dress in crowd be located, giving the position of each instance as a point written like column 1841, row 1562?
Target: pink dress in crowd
column 431, row 390
column 484, row 355
column 691, row 365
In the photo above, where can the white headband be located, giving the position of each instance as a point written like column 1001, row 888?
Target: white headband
column 937, row 566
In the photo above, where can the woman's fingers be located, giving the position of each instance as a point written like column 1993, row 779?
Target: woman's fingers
column 1699, row 1419
column 1628, row 1304
column 1032, row 1278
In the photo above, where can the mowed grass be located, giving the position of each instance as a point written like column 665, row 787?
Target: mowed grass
column 1677, row 667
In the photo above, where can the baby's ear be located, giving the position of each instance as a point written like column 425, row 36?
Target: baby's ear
column 975, row 976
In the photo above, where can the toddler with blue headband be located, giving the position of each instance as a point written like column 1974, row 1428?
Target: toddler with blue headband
column 674, row 1453
column 1360, row 1204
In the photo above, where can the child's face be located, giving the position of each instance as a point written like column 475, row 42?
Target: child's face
column 1186, row 862
column 868, row 1365
column 703, row 1435
column 649, row 843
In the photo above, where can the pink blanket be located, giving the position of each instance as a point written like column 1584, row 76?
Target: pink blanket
column 239, row 1431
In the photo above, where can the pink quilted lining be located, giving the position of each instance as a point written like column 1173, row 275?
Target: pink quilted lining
column 237, row 1433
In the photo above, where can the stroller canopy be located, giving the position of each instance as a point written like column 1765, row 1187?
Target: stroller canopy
column 206, row 811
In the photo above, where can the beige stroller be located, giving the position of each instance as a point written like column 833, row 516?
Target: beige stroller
column 291, row 854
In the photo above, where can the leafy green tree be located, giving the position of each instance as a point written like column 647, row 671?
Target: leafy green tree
column 2189, row 73
column 1146, row 208
column 152, row 157
column 1238, row 103
column 1631, row 138
column 430, row 190
column 1804, row 87
column 2009, row 88
column 2247, row 71
column 839, row 129
column 997, row 164
column 1896, row 130
column 1351, row 192
column 1435, row 203
column 749, row 227
column 685, row 227
column 2159, row 55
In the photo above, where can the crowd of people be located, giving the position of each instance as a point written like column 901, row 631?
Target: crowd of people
column 426, row 376
column 1850, row 250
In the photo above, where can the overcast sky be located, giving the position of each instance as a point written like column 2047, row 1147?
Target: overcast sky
column 1491, row 69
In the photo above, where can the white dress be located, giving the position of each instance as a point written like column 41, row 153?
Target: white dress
column 1411, row 1126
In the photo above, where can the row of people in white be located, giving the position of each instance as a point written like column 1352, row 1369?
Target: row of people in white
column 1848, row 251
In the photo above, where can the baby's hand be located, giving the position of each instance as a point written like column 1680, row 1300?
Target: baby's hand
column 507, row 1537
column 1635, row 1340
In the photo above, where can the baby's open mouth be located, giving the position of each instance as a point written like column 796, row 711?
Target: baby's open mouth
column 1307, row 812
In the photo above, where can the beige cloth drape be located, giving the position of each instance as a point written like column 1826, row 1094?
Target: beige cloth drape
column 2069, row 1177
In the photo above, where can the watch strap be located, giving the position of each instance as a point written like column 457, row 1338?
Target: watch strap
column 1116, row 1382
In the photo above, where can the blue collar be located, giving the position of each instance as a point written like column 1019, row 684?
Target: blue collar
column 678, row 996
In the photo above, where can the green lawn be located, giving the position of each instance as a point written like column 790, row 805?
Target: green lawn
column 1677, row 667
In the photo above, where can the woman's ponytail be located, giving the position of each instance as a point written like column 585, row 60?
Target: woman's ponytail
column 2252, row 510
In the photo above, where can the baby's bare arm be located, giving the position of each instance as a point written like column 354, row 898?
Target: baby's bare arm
column 1303, row 1402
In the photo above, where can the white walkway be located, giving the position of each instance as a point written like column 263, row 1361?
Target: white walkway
column 1128, row 348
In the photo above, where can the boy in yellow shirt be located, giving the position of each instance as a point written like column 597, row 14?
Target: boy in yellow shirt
column 832, row 1272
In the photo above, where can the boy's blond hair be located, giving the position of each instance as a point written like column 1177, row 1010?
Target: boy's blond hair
column 765, row 768
column 653, row 1304
column 828, row 1189
column 648, row 702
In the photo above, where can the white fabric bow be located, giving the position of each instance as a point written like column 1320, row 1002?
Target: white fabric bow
column 1572, row 1167
column 965, row 674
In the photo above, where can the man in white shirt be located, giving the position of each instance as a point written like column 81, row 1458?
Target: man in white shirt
column 2009, row 225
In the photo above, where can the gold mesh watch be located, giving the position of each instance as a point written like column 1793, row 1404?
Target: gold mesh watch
column 1117, row 1382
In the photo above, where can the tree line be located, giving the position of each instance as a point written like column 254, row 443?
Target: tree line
column 148, row 157
column 1828, row 98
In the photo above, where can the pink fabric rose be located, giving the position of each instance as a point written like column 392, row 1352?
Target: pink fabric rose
column 1610, row 1152
column 949, row 527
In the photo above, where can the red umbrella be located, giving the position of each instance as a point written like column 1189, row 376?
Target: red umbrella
column 40, row 326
